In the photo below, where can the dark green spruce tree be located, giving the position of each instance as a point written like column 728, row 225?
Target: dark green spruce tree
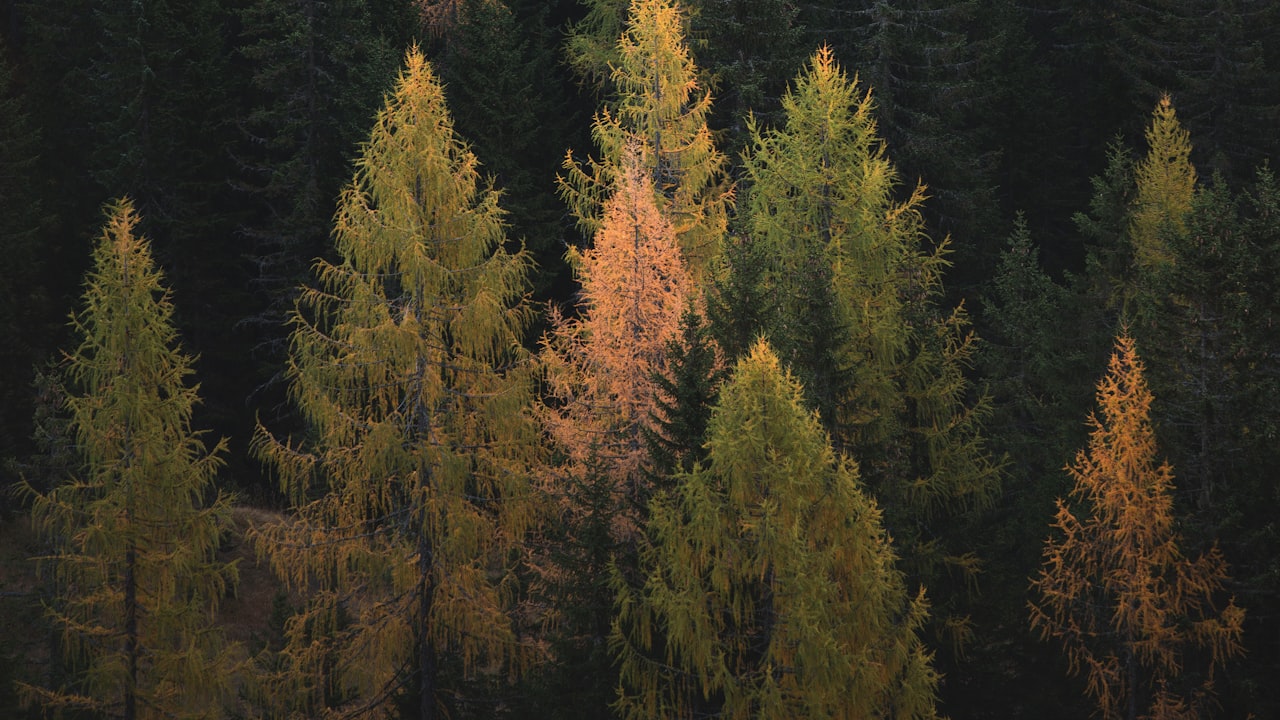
column 26, row 315
column 510, row 99
column 317, row 73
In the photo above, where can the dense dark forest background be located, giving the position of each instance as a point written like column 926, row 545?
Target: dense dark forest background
column 233, row 125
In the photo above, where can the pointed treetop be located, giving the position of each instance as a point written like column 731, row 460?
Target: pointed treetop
column 1166, row 181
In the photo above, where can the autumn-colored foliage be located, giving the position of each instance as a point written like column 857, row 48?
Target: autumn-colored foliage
column 601, row 364
column 1166, row 182
column 769, row 587
column 411, row 489
column 1135, row 616
column 136, row 530
column 660, row 109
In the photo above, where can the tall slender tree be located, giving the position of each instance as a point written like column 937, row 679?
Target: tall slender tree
column 660, row 106
column 25, row 310
column 1129, row 608
column 412, row 487
column 771, row 589
column 922, row 57
column 135, row 534
column 852, row 289
column 1166, row 181
column 601, row 365
column 507, row 93
column 603, row 369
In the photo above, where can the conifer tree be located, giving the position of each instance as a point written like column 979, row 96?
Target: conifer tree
column 1040, row 337
column 25, row 316
column 503, row 84
column 136, row 531
column 1130, row 609
column 660, row 106
column 411, row 489
column 601, row 366
column 603, row 369
column 319, row 72
column 770, row 586
column 685, row 397
column 852, row 291
column 749, row 49
column 922, row 58
column 1166, row 180
column 1105, row 228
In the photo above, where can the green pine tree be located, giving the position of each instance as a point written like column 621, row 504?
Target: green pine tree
column 136, row 532
column 411, row 490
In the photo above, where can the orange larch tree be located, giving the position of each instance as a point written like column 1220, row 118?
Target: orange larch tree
column 602, row 368
column 1132, row 612
column 600, row 365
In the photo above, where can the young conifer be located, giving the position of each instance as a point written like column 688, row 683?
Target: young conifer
column 411, row 489
column 1166, row 182
column 136, row 530
column 770, row 585
column 660, row 108
column 1132, row 612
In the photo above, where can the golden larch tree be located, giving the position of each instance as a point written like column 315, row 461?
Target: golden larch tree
column 136, row 531
column 411, row 489
column 1131, row 611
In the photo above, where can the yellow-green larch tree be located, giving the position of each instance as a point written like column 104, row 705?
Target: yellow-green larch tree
column 658, row 106
column 1133, row 613
column 411, row 488
column 135, row 532
column 1166, row 182
column 847, row 287
column 770, row 586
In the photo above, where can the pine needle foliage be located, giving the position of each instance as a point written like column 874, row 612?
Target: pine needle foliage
column 852, row 287
column 1134, row 614
column 601, row 365
column 411, row 489
column 658, row 105
column 771, row 589
column 133, row 531
column 1166, row 182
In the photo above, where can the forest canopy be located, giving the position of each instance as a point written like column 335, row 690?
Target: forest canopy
column 639, row 358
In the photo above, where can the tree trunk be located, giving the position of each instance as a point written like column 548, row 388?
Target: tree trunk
column 426, row 645
column 131, row 631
